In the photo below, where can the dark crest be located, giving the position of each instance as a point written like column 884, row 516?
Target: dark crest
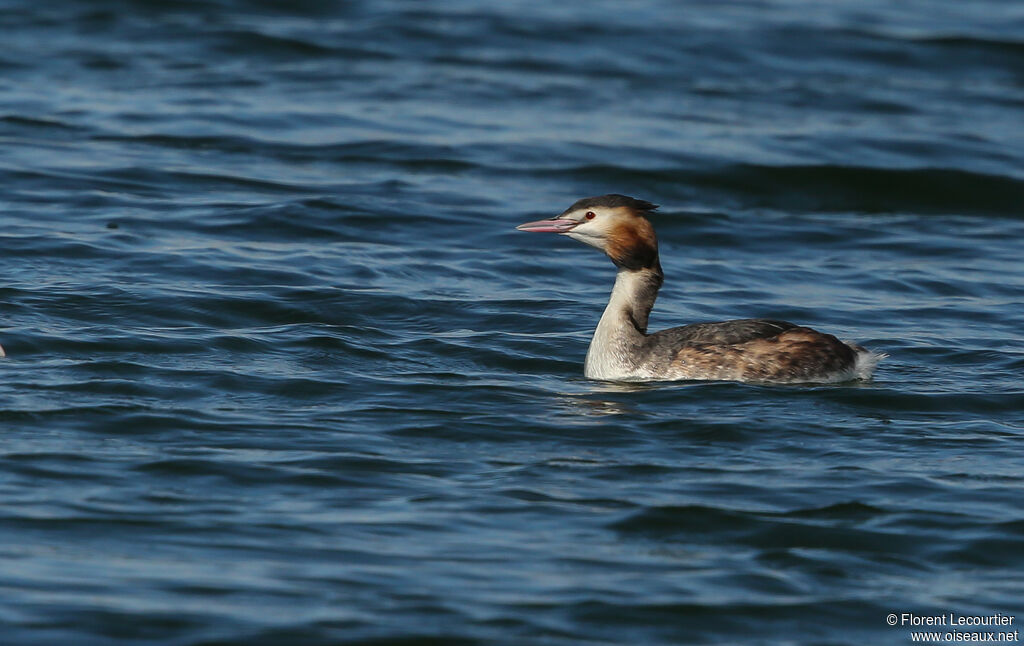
column 613, row 200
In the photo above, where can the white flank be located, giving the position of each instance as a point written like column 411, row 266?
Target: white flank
column 865, row 362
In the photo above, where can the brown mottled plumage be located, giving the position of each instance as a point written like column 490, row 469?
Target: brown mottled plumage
column 757, row 350
column 796, row 354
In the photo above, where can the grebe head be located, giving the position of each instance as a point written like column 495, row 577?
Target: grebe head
column 615, row 224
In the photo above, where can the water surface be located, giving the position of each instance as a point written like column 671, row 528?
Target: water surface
column 281, row 371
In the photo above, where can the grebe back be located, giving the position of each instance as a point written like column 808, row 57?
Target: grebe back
column 751, row 350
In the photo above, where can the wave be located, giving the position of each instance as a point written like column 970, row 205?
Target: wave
column 826, row 188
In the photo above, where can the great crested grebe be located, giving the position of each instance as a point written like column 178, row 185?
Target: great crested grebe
column 753, row 350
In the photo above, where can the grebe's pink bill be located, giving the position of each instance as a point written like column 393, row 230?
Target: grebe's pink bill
column 751, row 350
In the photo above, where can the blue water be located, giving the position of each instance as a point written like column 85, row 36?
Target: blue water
column 281, row 371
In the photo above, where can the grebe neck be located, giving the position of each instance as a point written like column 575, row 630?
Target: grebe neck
column 615, row 350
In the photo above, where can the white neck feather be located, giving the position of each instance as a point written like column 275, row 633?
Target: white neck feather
column 623, row 326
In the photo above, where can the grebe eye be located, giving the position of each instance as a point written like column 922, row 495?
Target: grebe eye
column 590, row 215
